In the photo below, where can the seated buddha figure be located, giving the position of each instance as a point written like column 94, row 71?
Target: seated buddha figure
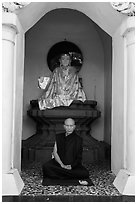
column 62, row 87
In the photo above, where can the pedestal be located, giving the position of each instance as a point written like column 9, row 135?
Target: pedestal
column 125, row 182
column 50, row 122
column 12, row 183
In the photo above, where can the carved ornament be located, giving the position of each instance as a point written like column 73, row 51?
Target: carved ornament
column 12, row 6
column 127, row 8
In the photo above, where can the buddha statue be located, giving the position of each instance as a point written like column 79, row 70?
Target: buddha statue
column 62, row 87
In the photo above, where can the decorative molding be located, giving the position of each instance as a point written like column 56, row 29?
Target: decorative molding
column 127, row 8
column 12, row 6
column 127, row 27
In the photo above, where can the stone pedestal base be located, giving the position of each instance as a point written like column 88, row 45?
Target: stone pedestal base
column 12, row 183
column 125, row 182
column 50, row 122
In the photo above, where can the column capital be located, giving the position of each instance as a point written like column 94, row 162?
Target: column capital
column 128, row 26
column 9, row 26
column 10, row 20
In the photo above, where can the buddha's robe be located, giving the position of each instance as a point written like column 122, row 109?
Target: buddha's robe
column 63, row 88
column 69, row 149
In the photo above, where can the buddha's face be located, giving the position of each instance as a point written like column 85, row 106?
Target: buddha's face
column 69, row 125
column 65, row 60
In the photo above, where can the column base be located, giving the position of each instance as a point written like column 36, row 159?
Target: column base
column 125, row 182
column 12, row 183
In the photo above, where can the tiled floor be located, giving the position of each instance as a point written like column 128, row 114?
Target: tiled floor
column 100, row 174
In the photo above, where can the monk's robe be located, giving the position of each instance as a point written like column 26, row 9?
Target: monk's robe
column 69, row 149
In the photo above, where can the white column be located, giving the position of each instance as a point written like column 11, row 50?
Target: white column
column 125, row 180
column 12, row 182
column 8, row 41
column 130, row 123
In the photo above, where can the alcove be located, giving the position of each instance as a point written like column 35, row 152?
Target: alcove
column 54, row 33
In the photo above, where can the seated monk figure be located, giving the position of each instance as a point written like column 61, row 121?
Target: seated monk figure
column 66, row 163
column 63, row 86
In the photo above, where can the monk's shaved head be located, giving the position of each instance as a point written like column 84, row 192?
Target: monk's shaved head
column 69, row 121
column 69, row 125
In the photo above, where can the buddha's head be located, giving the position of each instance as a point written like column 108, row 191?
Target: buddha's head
column 65, row 60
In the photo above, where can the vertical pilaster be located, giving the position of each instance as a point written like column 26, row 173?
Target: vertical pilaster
column 125, row 180
column 12, row 182
column 8, row 42
column 130, row 119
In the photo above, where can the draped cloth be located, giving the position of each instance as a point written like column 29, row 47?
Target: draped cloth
column 69, row 149
column 63, row 88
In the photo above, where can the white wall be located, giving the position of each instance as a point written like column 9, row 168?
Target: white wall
column 53, row 28
column 107, row 47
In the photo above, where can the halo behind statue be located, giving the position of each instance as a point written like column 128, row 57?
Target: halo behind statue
column 64, row 47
